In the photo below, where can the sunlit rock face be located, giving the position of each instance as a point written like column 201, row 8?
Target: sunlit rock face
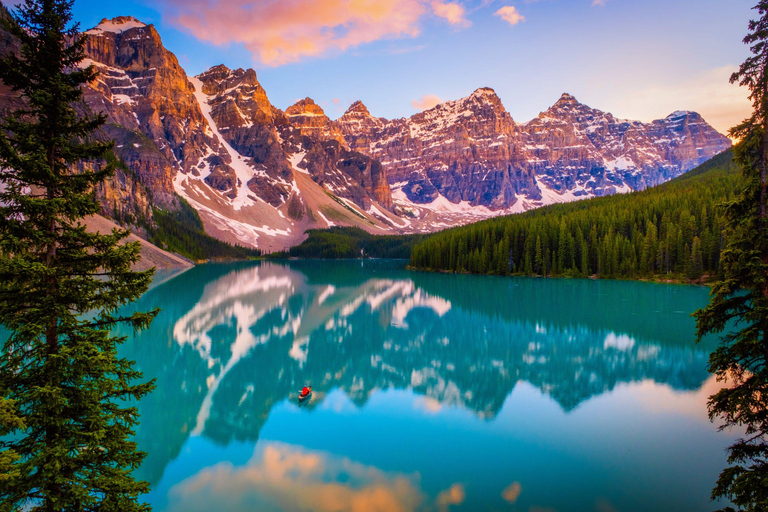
column 359, row 126
column 327, row 158
column 218, row 132
column 217, row 140
column 575, row 147
column 470, row 150
column 261, row 177
column 242, row 115
column 310, row 119
column 459, row 150
column 142, row 88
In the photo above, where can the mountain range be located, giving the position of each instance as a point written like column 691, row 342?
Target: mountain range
column 259, row 176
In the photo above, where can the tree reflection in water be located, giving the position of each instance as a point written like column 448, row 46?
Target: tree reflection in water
column 234, row 340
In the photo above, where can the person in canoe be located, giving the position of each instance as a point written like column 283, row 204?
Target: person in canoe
column 305, row 391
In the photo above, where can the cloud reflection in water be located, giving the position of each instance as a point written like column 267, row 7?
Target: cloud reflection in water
column 282, row 477
column 243, row 341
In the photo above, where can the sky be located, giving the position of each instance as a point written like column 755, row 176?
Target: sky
column 638, row 59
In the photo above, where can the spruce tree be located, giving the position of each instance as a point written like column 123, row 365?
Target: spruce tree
column 65, row 415
column 739, row 301
column 538, row 260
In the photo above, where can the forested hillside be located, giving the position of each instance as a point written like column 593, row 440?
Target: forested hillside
column 343, row 242
column 672, row 230
column 182, row 232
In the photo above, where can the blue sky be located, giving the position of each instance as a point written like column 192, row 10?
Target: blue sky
column 638, row 59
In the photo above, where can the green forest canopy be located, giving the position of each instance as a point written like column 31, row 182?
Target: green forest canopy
column 343, row 242
column 674, row 230
column 182, row 232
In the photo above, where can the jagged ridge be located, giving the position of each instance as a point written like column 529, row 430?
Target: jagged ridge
column 259, row 176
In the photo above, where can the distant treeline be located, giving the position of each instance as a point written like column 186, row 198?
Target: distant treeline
column 182, row 232
column 343, row 242
column 674, row 229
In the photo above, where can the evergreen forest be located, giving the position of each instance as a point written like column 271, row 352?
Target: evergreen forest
column 182, row 232
column 673, row 231
column 343, row 242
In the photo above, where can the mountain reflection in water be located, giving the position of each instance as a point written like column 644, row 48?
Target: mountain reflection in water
column 235, row 341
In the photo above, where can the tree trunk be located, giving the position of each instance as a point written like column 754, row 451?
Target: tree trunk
column 51, row 334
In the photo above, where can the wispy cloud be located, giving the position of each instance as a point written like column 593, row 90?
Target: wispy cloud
column 405, row 49
column 510, row 15
column 599, row 2
column 426, row 102
column 286, row 31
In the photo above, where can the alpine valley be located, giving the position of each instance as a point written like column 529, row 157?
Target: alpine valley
column 260, row 177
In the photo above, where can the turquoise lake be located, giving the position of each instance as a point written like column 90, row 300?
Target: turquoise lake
column 431, row 392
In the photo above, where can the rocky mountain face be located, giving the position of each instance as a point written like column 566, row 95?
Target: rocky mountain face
column 573, row 147
column 471, row 150
column 461, row 150
column 218, row 142
column 330, row 162
column 311, row 121
column 260, row 176
column 358, row 125
column 241, row 114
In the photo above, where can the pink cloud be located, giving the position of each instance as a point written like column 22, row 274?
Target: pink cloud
column 288, row 477
column 426, row 102
column 279, row 32
column 510, row 15
column 452, row 12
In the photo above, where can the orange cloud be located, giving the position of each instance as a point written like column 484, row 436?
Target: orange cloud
column 428, row 405
column 426, row 102
column 510, row 15
column 454, row 495
column 452, row 12
column 285, row 31
column 512, row 492
column 290, row 478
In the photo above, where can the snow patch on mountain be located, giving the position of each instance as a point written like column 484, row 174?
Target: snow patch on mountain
column 243, row 171
column 295, row 159
column 116, row 25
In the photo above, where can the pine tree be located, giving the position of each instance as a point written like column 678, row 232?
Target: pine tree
column 697, row 260
column 739, row 301
column 538, row 260
column 64, row 423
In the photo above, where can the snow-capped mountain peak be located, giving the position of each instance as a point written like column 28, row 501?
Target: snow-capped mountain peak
column 259, row 176
column 117, row 25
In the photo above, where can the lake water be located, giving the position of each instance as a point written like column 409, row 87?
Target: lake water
column 431, row 392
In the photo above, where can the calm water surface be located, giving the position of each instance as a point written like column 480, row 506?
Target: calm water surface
column 431, row 392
